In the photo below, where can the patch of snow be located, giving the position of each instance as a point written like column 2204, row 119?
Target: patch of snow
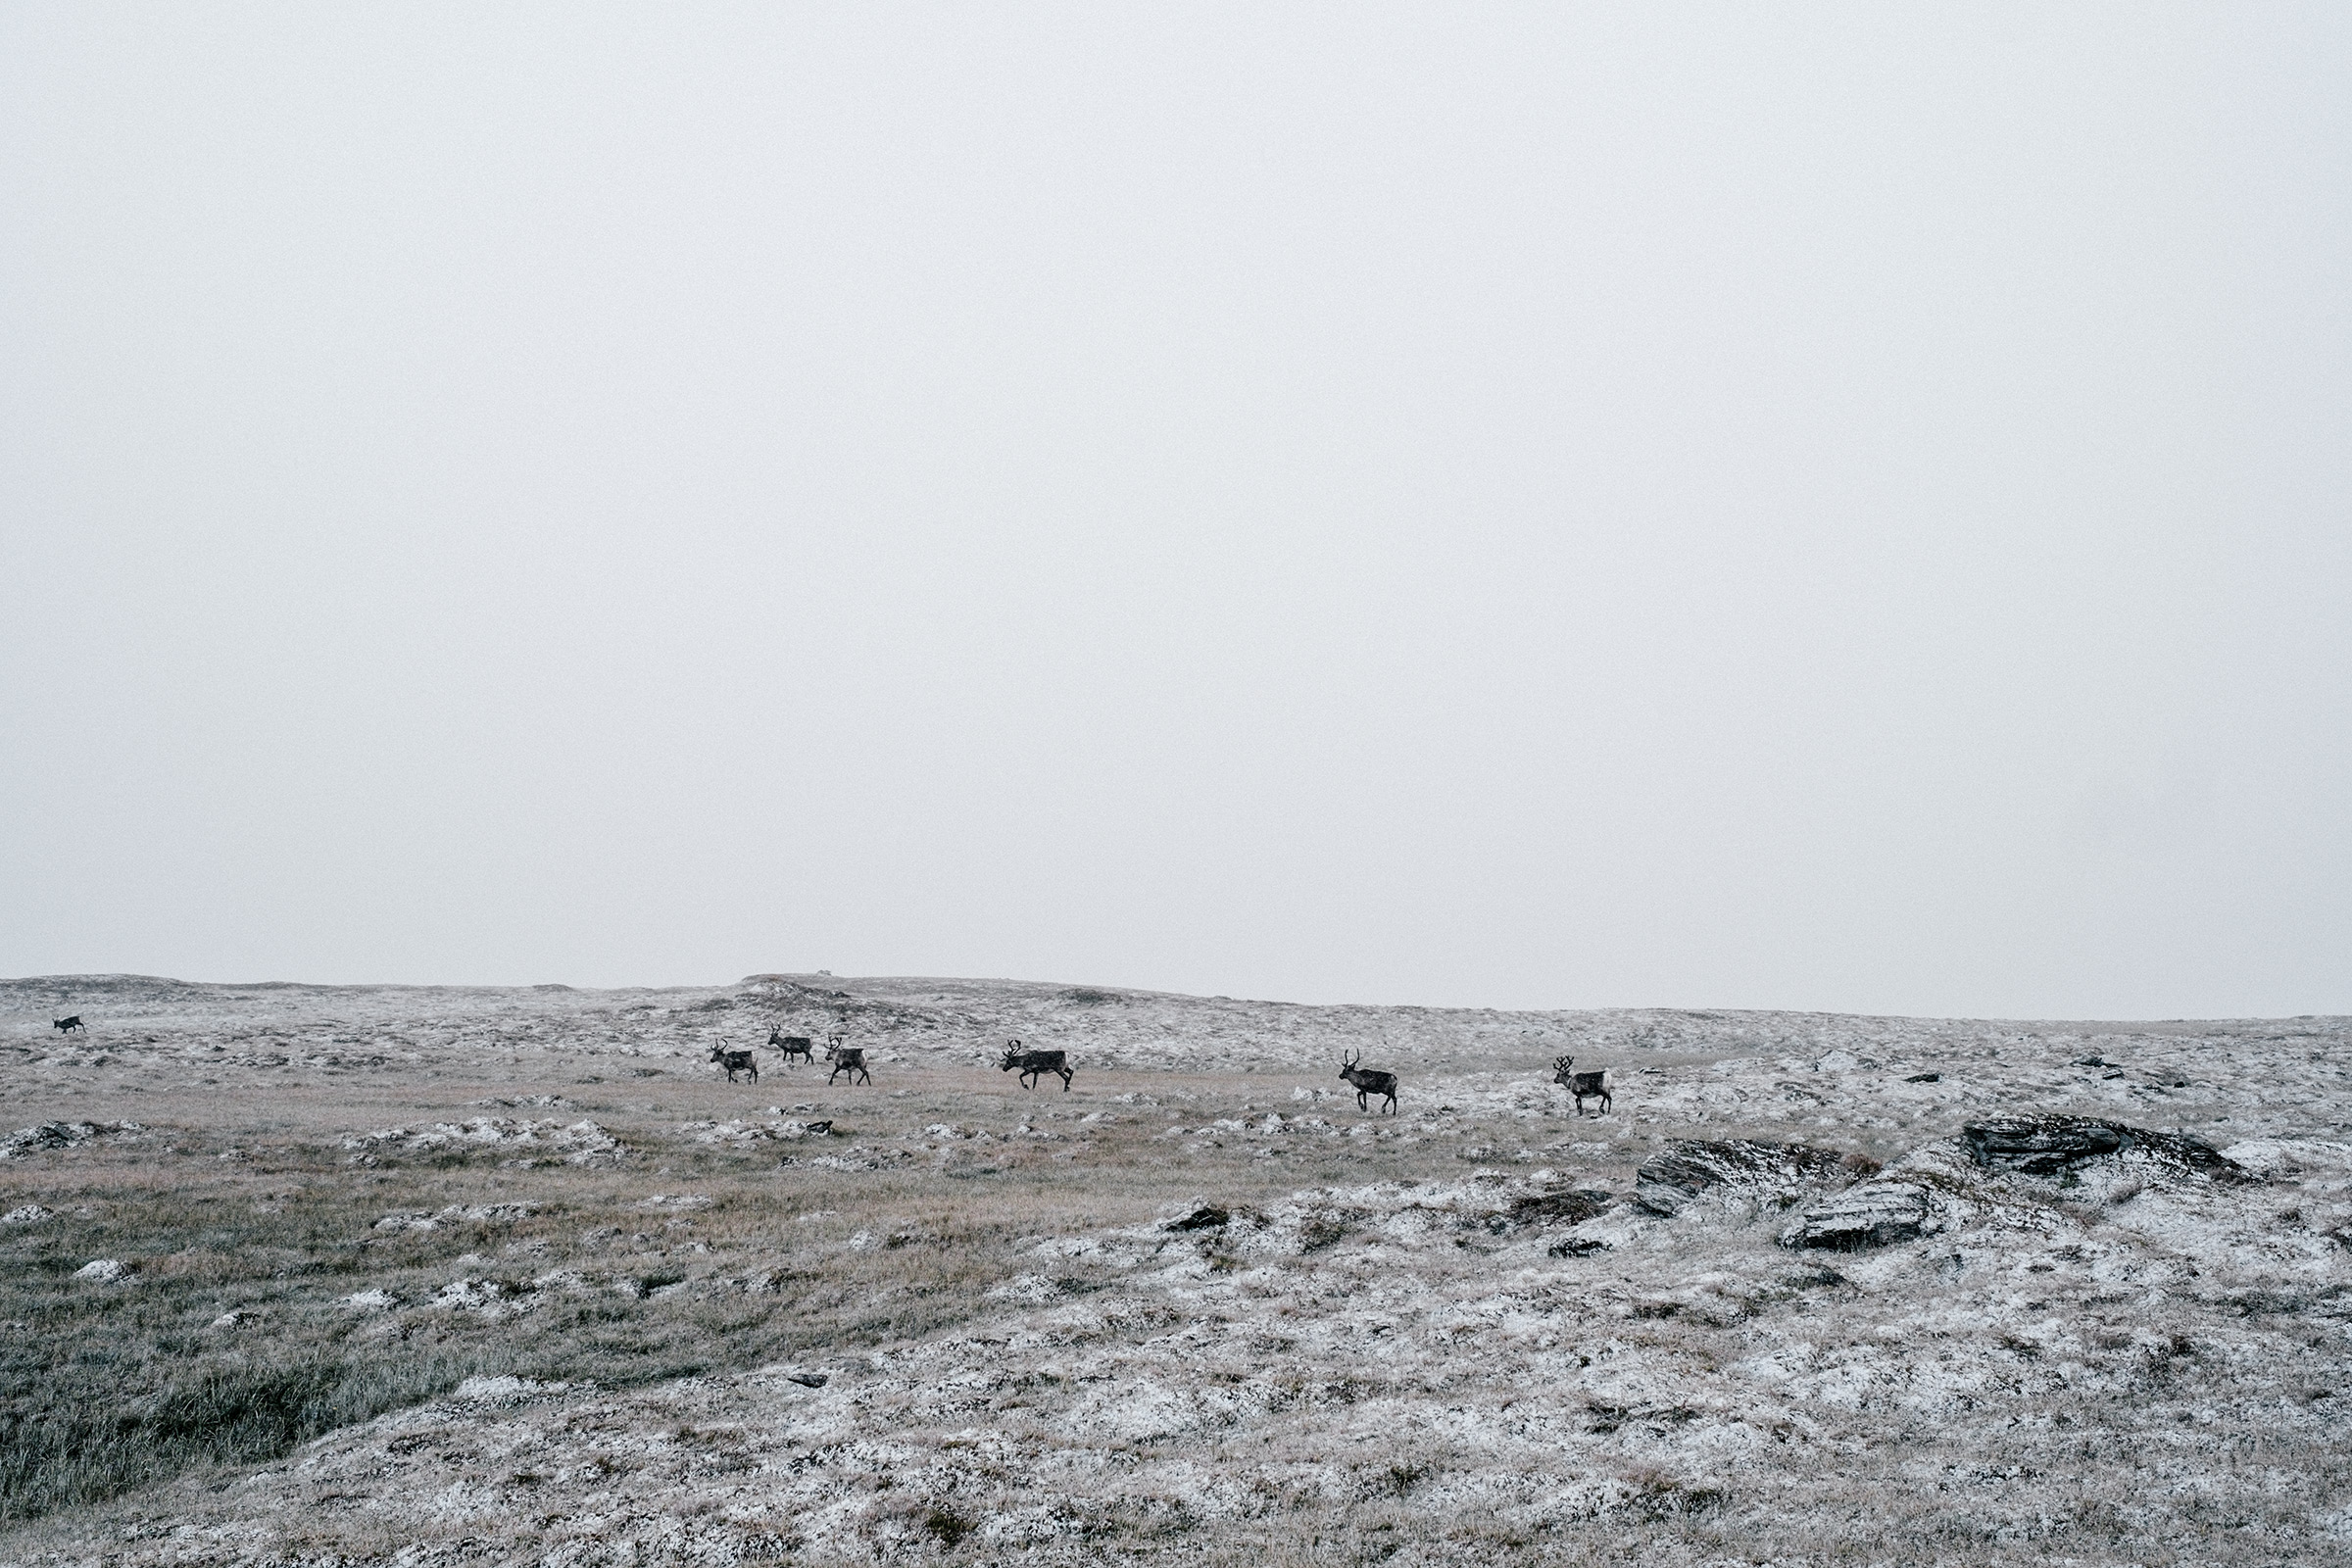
column 504, row 1390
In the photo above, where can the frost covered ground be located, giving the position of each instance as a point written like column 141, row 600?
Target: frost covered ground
column 480, row 1275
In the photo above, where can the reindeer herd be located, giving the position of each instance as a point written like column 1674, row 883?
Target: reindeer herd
column 796, row 1047
column 1369, row 1083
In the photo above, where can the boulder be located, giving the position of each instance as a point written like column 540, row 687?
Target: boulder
column 2042, row 1145
column 51, row 1135
column 2055, row 1145
column 2185, row 1155
column 1875, row 1214
column 1690, row 1168
column 1570, row 1206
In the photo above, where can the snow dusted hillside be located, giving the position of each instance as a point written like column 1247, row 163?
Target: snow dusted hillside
column 1820, row 1289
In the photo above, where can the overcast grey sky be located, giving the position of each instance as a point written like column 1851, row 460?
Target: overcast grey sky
column 1529, row 506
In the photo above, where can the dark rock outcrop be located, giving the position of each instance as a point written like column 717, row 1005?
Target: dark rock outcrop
column 1946, row 1183
column 2042, row 1145
column 1692, row 1168
column 52, row 1135
column 2185, row 1154
column 1876, row 1214
column 2053, row 1145
column 1569, row 1207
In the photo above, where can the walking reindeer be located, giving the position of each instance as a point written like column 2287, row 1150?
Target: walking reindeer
column 845, row 1059
column 792, row 1046
column 1035, row 1064
column 1369, row 1081
column 735, row 1061
column 1583, row 1085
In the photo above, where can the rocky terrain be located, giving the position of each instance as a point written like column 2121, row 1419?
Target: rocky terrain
column 317, row 1274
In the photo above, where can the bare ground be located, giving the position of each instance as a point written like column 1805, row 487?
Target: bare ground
column 312, row 1274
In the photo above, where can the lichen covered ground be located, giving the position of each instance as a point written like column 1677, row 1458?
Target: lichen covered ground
column 516, row 1275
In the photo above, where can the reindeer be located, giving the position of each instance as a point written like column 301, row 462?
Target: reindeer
column 66, row 1026
column 734, row 1062
column 792, row 1046
column 1035, row 1064
column 1369, row 1081
column 1583, row 1085
column 845, row 1059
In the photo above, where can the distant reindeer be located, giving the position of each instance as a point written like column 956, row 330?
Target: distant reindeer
column 69, row 1025
column 845, row 1059
column 1583, row 1085
column 734, row 1062
column 1035, row 1064
column 1369, row 1081
column 792, row 1046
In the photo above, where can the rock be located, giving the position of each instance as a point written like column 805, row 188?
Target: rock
column 2185, row 1153
column 103, row 1270
column 1207, row 1217
column 1689, row 1169
column 582, row 1143
column 2042, row 1145
column 30, row 1214
column 806, row 1380
column 1577, row 1247
column 51, row 1135
column 1924, row 1078
column 1571, row 1207
column 2053, row 1145
column 1873, row 1213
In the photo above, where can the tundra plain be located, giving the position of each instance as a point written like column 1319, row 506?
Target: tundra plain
column 329, row 1275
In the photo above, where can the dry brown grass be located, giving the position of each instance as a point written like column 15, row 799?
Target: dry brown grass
column 269, row 1215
